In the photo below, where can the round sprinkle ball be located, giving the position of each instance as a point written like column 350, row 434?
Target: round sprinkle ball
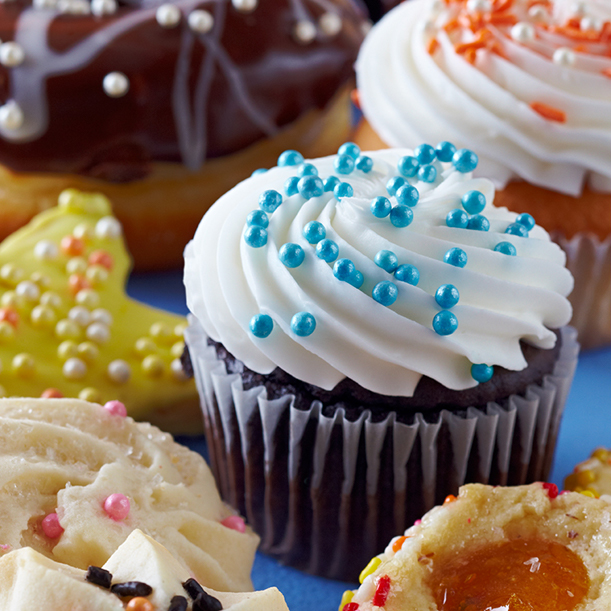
column 290, row 186
column 310, row 186
column 357, row 279
column 387, row 260
column 327, row 250
column 394, row 183
column 407, row 195
column 261, row 325
column 445, row 323
column 380, row 207
column 343, row 164
column 116, row 506
column 258, row 218
column 385, row 292
column 447, row 296
column 425, row 153
column 457, row 218
column 115, row 408
column 445, row 151
column 517, row 229
column 401, row 216
column 307, row 169
column 526, row 219
column 427, row 173
column 473, row 202
column 259, row 171
column 408, row 273
column 292, row 255
column 255, row 236
column 343, row 189
column 478, row 222
column 330, row 183
column 235, row 523
column 269, row 200
column 481, row 372
column 343, row 269
column 364, row 164
column 464, row 160
column 51, row 526
column 290, row 158
column 314, row 232
column 350, row 149
column 507, row 248
column 456, row 257
column 408, row 166
column 303, row 324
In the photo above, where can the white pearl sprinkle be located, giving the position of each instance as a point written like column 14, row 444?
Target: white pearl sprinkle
column 178, row 373
column 538, row 13
column 479, row 6
column 102, row 315
column 11, row 116
column 98, row 333
column 168, row 16
column 43, row 5
column 200, row 21
column 578, row 9
column 103, row 7
column 74, row 7
column 119, row 371
column 46, row 250
column 563, row 56
column 244, row 6
column 80, row 315
column 330, row 23
column 305, row 31
column 591, row 24
column 115, row 84
column 11, row 54
column 29, row 290
column 108, row 228
column 74, row 369
column 523, row 32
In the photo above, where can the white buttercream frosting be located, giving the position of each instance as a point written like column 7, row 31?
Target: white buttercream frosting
column 503, row 298
column 410, row 95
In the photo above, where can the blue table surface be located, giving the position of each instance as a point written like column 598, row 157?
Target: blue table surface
column 585, row 426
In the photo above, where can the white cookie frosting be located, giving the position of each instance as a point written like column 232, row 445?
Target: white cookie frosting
column 410, row 95
column 503, row 298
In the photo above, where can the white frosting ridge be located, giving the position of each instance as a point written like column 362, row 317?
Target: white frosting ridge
column 385, row 349
column 410, row 96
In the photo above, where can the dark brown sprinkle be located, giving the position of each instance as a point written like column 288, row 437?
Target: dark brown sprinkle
column 192, row 588
column 99, row 577
column 178, row 603
column 205, row 602
column 131, row 588
column 573, row 534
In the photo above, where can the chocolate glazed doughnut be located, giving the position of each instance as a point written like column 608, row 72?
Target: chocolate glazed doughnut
column 164, row 106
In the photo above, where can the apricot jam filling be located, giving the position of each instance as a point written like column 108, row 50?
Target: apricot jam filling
column 518, row 575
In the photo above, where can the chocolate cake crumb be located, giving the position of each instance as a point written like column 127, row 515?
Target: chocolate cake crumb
column 99, row 577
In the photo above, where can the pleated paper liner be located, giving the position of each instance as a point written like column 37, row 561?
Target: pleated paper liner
column 326, row 493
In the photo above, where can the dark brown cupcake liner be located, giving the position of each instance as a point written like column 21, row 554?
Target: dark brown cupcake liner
column 326, row 493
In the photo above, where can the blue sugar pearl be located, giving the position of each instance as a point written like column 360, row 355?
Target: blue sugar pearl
column 457, row 218
column 478, row 222
column 473, row 202
column 526, row 219
column 408, row 273
column 482, row 372
column 380, row 207
column 269, row 201
column 425, row 153
column 303, row 324
column 314, row 232
column 343, row 269
column 407, row 195
column 364, row 164
column 327, row 250
column 261, row 325
column 445, row 151
column 310, row 186
column 343, row 164
column 356, row 280
column 445, row 323
column 408, row 166
column 394, row 183
column 330, row 183
column 385, row 292
column 350, row 149
column 427, row 173
column 387, row 260
column 290, row 158
column 401, row 216
column 507, row 248
column 290, row 186
column 447, row 296
column 307, row 169
column 291, row 254
column 344, row 189
column 255, row 236
column 464, row 160
column 259, row 171
column 517, row 229
column 456, row 257
column 259, row 218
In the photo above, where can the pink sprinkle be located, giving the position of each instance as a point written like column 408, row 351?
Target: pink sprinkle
column 51, row 526
column 417, row 522
column 5, row 547
column 235, row 523
column 116, row 506
column 116, row 408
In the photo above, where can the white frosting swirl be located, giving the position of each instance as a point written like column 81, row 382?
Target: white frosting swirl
column 410, row 96
column 385, row 349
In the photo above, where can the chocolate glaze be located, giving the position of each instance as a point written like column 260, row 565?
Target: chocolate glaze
column 191, row 96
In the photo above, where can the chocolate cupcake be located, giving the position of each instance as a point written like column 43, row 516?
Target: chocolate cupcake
column 366, row 339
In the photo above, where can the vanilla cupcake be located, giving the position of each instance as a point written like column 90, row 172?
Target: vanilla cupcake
column 592, row 476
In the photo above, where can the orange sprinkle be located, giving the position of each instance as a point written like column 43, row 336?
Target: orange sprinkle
column 574, row 22
column 471, row 55
column 72, row 246
column 76, row 283
column 398, row 544
column 449, row 499
column 501, row 5
column 468, row 46
column 549, row 112
column 51, row 393
column 576, row 33
column 607, row 72
column 101, row 257
column 432, row 46
column 451, row 25
column 10, row 315
column 139, row 604
column 355, row 98
column 502, row 19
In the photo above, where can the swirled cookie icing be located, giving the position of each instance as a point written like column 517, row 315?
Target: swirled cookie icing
column 526, row 86
column 267, row 286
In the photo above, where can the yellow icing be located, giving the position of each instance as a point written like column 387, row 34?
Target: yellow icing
column 54, row 345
